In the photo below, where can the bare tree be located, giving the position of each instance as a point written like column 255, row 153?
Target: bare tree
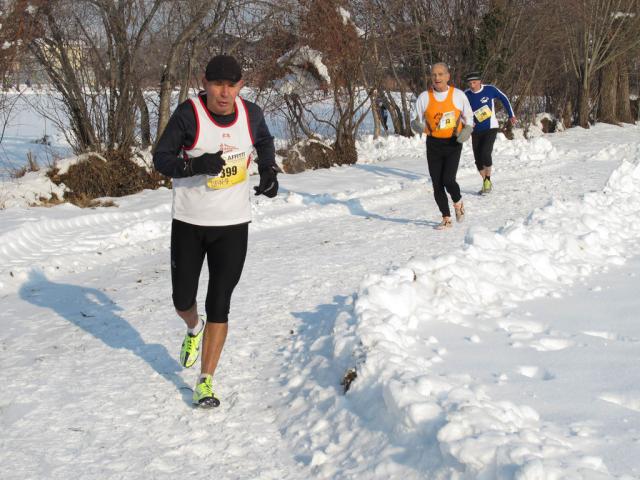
column 600, row 33
column 16, row 30
column 200, row 20
column 89, row 51
column 328, row 28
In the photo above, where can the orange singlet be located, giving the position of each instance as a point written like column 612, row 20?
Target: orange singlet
column 442, row 118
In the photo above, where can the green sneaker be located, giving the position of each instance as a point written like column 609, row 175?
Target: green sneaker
column 203, row 395
column 191, row 348
column 486, row 186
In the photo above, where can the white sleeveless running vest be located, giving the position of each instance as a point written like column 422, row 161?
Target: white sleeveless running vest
column 223, row 199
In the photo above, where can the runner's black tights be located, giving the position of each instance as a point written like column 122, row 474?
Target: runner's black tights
column 225, row 248
column 482, row 143
column 443, row 157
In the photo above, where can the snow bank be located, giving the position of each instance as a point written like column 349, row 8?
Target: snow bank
column 523, row 260
column 36, row 188
column 371, row 150
column 30, row 189
column 408, row 420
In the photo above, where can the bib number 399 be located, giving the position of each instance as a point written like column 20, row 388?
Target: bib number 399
column 233, row 172
column 229, row 171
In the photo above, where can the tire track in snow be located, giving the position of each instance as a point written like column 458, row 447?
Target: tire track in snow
column 88, row 241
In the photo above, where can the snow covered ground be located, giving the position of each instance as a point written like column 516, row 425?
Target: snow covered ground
column 504, row 348
column 28, row 131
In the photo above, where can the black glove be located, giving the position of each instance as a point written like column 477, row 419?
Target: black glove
column 268, row 181
column 207, row 164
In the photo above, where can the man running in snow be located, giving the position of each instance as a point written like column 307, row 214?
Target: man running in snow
column 485, row 129
column 206, row 149
column 447, row 118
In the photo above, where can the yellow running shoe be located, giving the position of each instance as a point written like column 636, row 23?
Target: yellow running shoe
column 203, row 395
column 486, row 186
column 191, row 348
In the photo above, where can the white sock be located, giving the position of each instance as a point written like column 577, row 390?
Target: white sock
column 195, row 331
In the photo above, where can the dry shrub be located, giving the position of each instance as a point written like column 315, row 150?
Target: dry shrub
column 31, row 166
column 83, row 201
column 52, row 201
column 308, row 155
column 18, row 172
column 94, row 178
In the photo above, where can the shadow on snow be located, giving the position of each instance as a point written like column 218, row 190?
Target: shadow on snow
column 94, row 312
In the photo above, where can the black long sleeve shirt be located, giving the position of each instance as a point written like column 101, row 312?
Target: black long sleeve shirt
column 181, row 131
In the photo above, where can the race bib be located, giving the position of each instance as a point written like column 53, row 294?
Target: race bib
column 448, row 120
column 233, row 172
column 482, row 113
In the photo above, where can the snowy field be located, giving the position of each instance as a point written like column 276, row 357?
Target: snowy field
column 505, row 348
column 27, row 131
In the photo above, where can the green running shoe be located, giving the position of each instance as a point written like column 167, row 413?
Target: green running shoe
column 191, row 348
column 203, row 395
column 486, row 186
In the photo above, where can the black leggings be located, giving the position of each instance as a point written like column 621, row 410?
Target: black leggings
column 482, row 143
column 443, row 157
column 225, row 248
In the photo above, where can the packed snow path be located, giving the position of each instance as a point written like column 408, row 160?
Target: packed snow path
column 90, row 340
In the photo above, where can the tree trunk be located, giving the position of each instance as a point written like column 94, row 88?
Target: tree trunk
column 166, row 87
column 567, row 113
column 345, row 148
column 376, row 115
column 145, row 124
column 583, row 106
column 168, row 79
column 635, row 109
column 406, row 113
column 345, row 144
column 623, row 100
column 608, row 92
column 186, row 78
column 396, row 114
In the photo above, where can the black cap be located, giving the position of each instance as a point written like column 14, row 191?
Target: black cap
column 223, row 67
column 472, row 76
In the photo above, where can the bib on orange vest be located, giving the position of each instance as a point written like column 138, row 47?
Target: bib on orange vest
column 442, row 119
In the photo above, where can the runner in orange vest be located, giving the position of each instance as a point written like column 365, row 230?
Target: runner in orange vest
column 448, row 120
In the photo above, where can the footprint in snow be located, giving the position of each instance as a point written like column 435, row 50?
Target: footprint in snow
column 550, row 344
column 521, row 327
column 534, row 372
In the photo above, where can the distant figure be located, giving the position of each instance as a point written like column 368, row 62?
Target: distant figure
column 206, row 148
column 485, row 129
column 384, row 114
column 447, row 117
